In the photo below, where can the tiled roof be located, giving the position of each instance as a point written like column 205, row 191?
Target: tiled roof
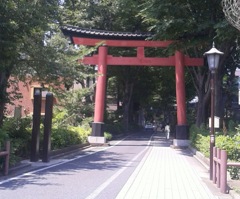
column 102, row 34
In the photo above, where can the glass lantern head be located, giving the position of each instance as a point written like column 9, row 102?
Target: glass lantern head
column 213, row 57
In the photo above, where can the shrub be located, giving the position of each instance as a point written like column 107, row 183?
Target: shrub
column 202, row 144
column 18, row 131
column 3, row 137
column 230, row 143
column 64, row 133
column 231, row 125
column 232, row 128
column 108, row 135
column 195, row 131
column 232, row 146
column 82, row 132
column 114, row 128
column 67, row 136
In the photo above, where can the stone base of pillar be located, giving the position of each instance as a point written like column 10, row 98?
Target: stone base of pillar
column 96, row 140
column 97, row 129
column 180, row 143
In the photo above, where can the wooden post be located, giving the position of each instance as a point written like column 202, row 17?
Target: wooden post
column 47, row 127
column 6, row 164
column 97, row 125
column 218, row 167
column 214, row 179
column 182, row 129
column 223, row 172
column 34, row 156
column 180, row 89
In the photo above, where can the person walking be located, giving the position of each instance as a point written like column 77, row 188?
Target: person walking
column 167, row 131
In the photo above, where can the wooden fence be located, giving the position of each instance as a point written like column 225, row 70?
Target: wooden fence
column 220, row 165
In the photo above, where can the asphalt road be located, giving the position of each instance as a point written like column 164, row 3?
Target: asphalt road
column 97, row 172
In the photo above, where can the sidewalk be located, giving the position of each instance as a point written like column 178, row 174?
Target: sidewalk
column 167, row 173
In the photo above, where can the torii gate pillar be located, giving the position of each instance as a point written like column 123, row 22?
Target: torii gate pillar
column 98, row 125
column 182, row 129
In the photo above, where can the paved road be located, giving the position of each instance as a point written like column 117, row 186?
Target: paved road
column 142, row 166
column 98, row 172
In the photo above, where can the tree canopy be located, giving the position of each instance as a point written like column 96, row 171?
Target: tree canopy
column 31, row 43
column 195, row 25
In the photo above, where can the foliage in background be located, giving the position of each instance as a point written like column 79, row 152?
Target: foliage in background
column 194, row 30
column 107, row 135
column 32, row 44
column 68, row 136
column 68, row 129
column 18, row 131
column 23, row 24
column 75, row 106
column 115, row 128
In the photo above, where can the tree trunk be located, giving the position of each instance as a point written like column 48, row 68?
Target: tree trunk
column 4, row 76
column 201, row 79
column 202, row 107
column 220, row 103
column 126, row 103
column 202, row 84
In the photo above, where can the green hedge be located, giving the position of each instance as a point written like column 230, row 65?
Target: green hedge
column 64, row 137
column 200, row 140
column 19, row 132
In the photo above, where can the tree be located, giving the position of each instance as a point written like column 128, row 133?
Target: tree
column 194, row 30
column 22, row 28
column 32, row 44
column 124, row 16
column 110, row 15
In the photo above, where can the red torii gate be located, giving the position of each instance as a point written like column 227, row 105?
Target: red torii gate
column 90, row 37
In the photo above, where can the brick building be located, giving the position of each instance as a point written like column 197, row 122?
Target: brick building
column 24, row 105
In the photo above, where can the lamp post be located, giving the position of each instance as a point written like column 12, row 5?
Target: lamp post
column 213, row 56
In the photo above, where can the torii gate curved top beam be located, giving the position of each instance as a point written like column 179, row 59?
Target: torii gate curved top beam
column 92, row 37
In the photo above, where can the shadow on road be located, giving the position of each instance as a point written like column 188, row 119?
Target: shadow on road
column 87, row 163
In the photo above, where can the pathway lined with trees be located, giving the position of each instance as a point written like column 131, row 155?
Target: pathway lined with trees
column 33, row 45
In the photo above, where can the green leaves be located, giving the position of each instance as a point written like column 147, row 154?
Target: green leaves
column 32, row 44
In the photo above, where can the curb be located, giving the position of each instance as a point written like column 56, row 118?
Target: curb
column 26, row 165
column 200, row 157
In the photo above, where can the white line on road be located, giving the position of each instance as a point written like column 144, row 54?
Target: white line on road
column 63, row 161
column 110, row 180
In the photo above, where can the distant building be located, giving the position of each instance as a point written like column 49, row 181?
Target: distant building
column 24, row 106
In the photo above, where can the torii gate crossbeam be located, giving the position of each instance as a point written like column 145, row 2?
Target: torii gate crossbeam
column 102, row 59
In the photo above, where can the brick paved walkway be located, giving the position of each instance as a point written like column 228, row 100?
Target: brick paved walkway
column 167, row 173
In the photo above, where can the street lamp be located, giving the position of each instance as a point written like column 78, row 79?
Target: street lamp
column 213, row 56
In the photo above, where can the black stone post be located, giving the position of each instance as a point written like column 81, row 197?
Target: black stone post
column 34, row 156
column 47, row 127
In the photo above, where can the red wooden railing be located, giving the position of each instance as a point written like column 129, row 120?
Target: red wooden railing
column 220, row 165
